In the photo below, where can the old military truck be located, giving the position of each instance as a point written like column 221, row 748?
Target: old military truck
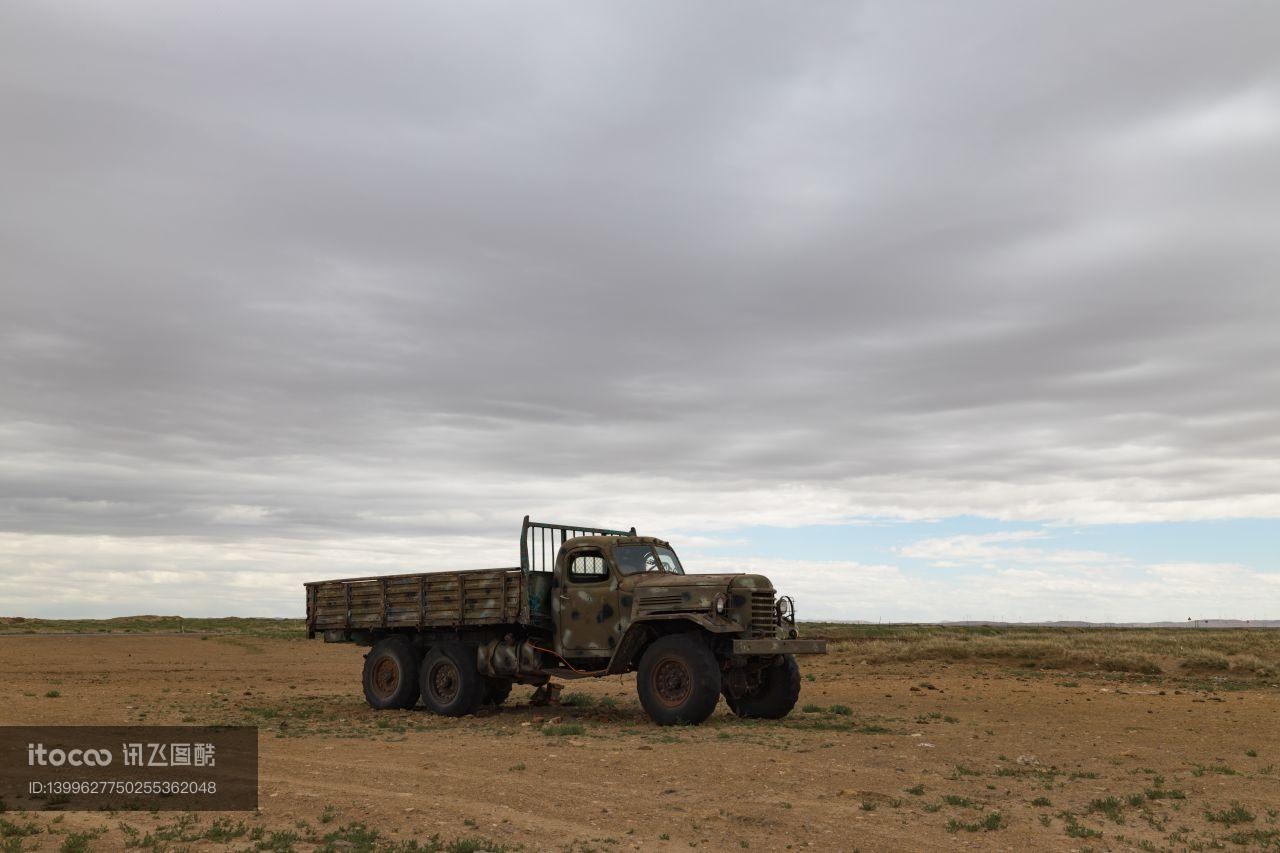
column 584, row 602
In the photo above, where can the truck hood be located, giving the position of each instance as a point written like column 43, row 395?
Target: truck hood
column 720, row 582
column 656, row 592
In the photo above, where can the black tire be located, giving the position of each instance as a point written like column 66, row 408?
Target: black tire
column 777, row 694
column 495, row 691
column 450, row 683
column 678, row 680
column 391, row 675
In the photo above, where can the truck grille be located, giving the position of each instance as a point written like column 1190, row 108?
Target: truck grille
column 762, row 619
column 661, row 601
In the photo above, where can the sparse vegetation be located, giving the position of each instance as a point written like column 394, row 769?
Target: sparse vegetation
column 1206, row 661
column 1145, row 651
column 10, row 829
column 1164, row 794
column 1109, row 806
column 990, row 823
column 282, row 841
column 77, row 842
column 1221, row 769
column 1231, row 816
column 1265, row 839
column 1074, row 829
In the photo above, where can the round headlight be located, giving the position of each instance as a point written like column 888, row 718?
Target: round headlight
column 786, row 609
column 719, row 604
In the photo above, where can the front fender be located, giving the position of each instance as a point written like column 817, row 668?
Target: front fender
column 644, row 628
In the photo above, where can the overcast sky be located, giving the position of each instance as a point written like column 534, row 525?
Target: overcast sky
column 967, row 305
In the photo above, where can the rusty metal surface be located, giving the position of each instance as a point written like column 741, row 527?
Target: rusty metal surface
column 779, row 647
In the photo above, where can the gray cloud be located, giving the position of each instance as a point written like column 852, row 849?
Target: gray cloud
column 291, row 271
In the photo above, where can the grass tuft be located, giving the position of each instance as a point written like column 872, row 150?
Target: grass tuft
column 1231, row 816
column 990, row 823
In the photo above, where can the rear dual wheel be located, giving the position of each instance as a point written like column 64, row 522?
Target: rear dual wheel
column 451, row 685
column 391, row 675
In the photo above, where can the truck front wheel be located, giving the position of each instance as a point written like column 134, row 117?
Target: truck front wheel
column 777, row 694
column 451, row 685
column 678, row 680
column 391, row 675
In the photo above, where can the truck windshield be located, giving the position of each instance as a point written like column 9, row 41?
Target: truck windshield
column 634, row 559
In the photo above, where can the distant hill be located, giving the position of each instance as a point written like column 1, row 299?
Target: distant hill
column 149, row 624
column 1195, row 623
column 981, row 623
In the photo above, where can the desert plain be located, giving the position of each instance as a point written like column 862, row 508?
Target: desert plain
column 905, row 738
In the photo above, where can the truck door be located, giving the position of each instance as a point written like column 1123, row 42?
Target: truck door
column 586, row 605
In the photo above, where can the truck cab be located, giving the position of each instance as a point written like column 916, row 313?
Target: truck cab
column 597, row 580
column 612, row 595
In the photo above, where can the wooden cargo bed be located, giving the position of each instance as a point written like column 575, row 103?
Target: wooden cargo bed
column 417, row 601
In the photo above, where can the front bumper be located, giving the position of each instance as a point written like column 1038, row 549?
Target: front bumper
column 769, row 646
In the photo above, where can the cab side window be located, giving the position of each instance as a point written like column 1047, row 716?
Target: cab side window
column 588, row 567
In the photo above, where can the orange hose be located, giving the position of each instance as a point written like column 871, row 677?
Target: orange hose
column 566, row 663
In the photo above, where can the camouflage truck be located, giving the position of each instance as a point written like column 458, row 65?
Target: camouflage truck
column 584, row 602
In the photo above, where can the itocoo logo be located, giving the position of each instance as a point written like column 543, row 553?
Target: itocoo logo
column 37, row 755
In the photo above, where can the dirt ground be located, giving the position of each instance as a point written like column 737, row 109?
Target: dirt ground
column 899, row 756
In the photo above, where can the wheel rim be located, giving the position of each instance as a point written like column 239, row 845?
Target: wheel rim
column 444, row 682
column 386, row 677
column 672, row 682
